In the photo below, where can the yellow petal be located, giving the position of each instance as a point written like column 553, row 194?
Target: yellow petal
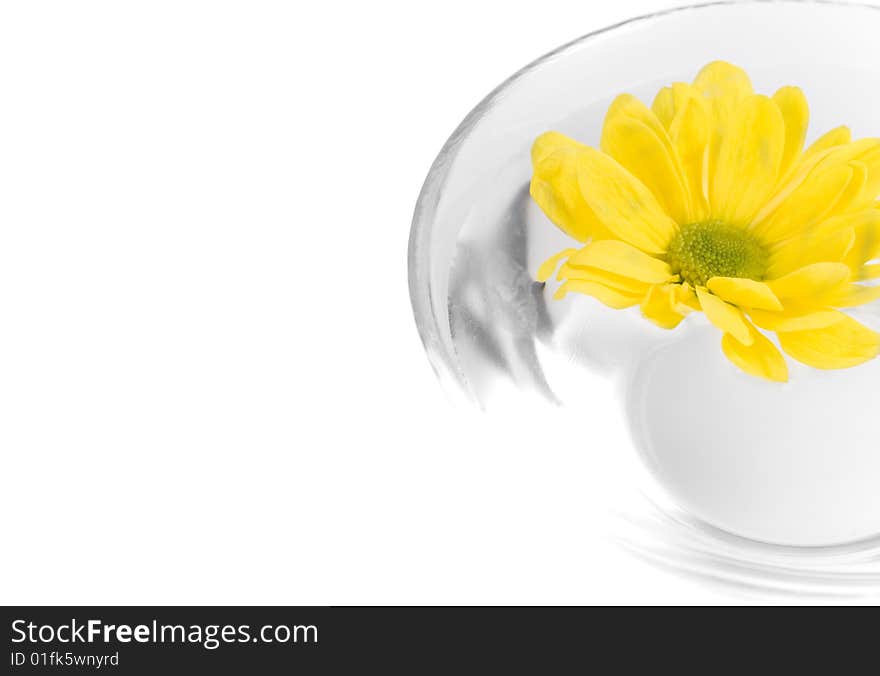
column 811, row 248
column 748, row 160
column 808, row 204
column 843, row 344
column 613, row 281
column 683, row 111
column 812, row 168
column 548, row 266
column 864, row 222
column 852, row 196
column 759, row 358
column 871, row 187
column 866, row 246
column 660, row 306
column 610, row 297
column 744, row 292
column 634, row 137
column 686, row 300
column 836, row 137
column 787, row 184
column 725, row 316
column 862, row 151
column 871, row 272
column 622, row 203
column 792, row 321
column 796, row 113
column 689, row 133
column 863, row 227
column 854, row 295
column 555, row 189
column 843, row 154
column 622, row 259
column 864, row 156
column 627, row 106
column 810, row 283
column 664, row 106
column 549, row 143
column 723, row 85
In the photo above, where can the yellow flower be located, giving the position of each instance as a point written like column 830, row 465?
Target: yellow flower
column 708, row 202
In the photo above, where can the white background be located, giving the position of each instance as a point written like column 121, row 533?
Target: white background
column 211, row 385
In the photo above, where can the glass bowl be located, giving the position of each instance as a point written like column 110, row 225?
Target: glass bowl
column 796, row 464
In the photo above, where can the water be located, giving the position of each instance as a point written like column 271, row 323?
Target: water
column 762, row 487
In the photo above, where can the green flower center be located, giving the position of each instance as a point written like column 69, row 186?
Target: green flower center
column 700, row 251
